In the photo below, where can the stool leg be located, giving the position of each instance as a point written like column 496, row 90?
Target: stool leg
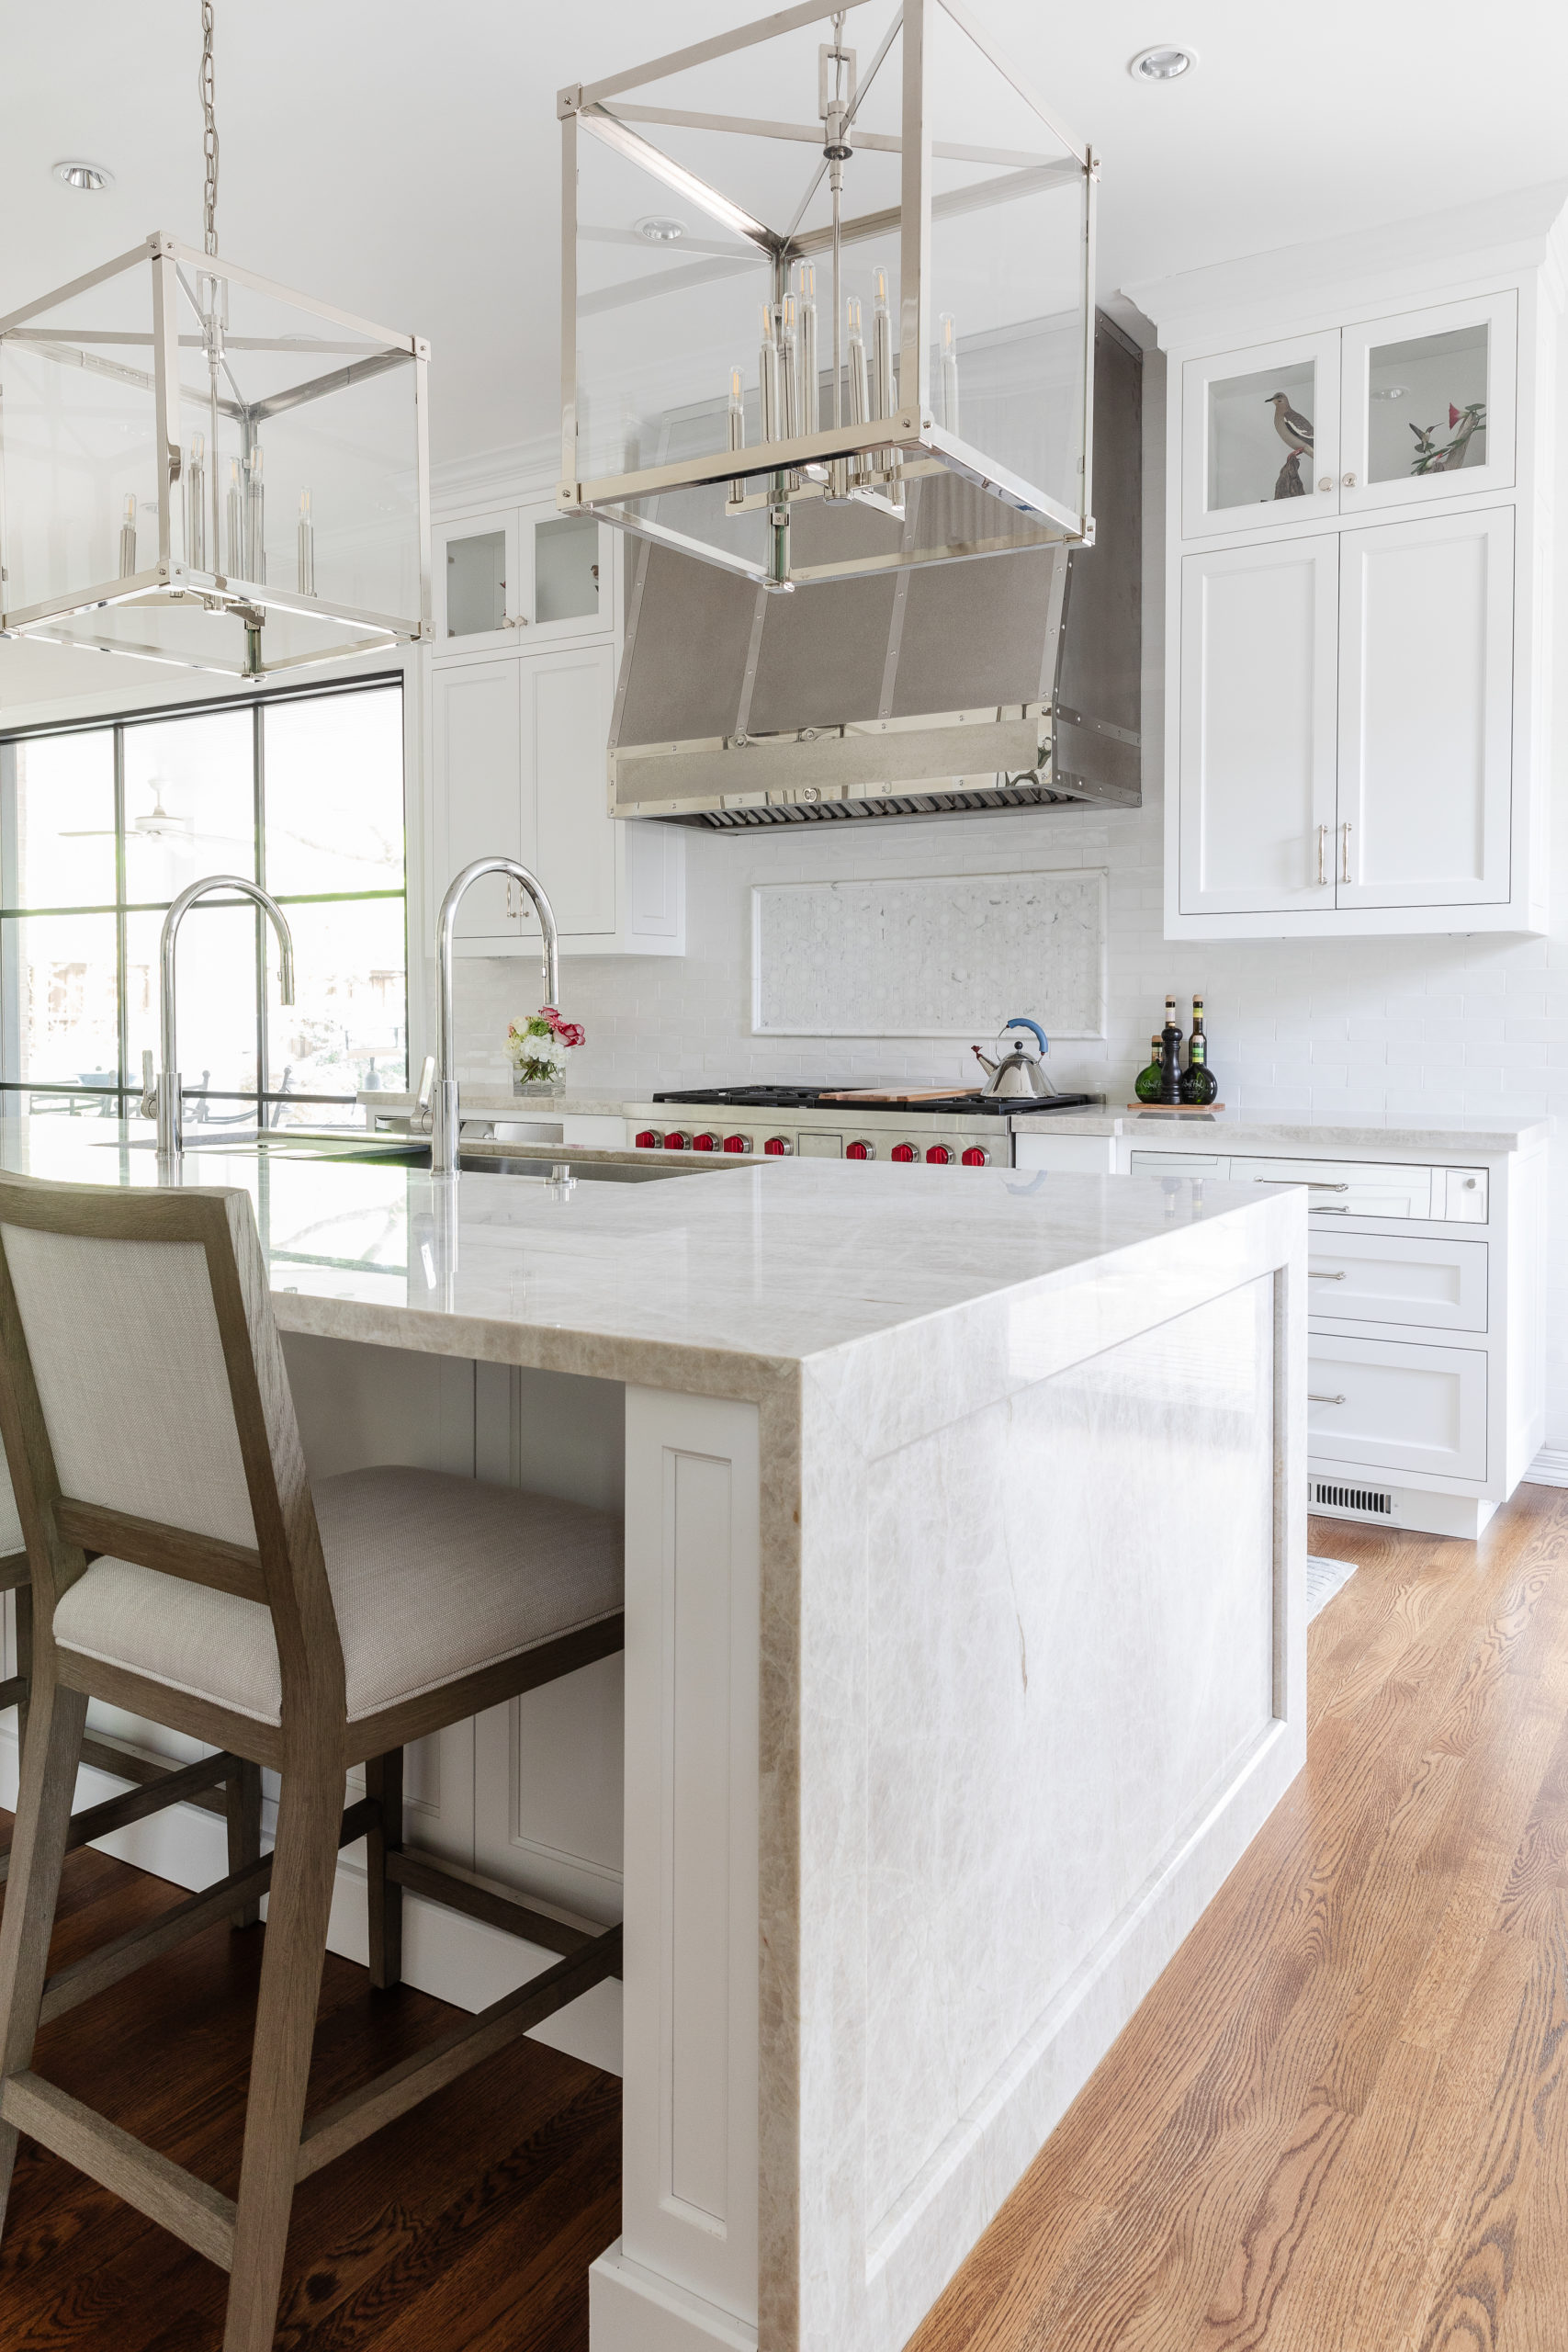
column 384, row 1782
column 23, row 1597
column 38, row 1856
column 242, row 1803
column 304, row 1866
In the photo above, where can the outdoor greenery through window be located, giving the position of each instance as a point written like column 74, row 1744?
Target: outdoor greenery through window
column 101, row 827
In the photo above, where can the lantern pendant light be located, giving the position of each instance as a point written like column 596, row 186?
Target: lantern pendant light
column 862, row 339
column 200, row 466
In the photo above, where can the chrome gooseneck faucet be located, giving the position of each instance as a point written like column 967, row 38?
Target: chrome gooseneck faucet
column 171, row 1120
column 447, row 1124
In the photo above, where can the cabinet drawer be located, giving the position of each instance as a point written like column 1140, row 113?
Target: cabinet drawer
column 1399, row 1278
column 1387, row 1405
column 1348, row 1188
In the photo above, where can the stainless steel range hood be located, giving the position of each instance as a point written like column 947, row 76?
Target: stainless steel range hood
column 1010, row 681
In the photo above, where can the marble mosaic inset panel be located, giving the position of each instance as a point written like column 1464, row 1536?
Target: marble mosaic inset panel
column 941, row 955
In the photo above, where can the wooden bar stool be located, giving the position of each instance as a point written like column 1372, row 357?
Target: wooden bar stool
column 225, row 1784
column 148, row 1421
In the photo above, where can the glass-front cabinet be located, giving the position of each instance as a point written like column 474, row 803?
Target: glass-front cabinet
column 519, row 574
column 1410, row 411
column 1429, row 400
column 1260, row 432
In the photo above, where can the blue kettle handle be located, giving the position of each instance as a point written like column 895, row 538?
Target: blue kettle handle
column 1023, row 1020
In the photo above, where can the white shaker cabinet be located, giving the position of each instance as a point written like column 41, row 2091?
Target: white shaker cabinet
column 1425, row 712
column 1346, row 727
column 1260, row 658
column 1359, row 483
column 517, row 769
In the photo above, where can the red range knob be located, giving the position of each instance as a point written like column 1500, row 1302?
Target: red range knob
column 737, row 1143
column 902, row 1151
column 676, row 1141
column 940, row 1156
column 705, row 1143
column 976, row 1156
column 779, row 1146
column 859, row 1151
column 649, row 1139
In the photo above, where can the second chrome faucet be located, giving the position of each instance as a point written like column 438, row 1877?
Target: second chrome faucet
column 170, row 1110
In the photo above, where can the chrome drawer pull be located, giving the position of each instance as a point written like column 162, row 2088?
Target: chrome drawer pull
column 1313, row 1399
column 1314, row 1275
column 1308, row 1184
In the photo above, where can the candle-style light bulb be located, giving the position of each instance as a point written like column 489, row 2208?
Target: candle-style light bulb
column 947, row 345
column 883, row 388
column 809, row 406
column 255, row 517
column 196, row 504
column 737, row 431
column 859, row 389
column 127, row 536
column 236, row 522
column 768, row 376
column 307, row 546
column 789, row 382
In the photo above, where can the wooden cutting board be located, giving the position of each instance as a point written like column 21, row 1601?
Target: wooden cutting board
column 900, row 1094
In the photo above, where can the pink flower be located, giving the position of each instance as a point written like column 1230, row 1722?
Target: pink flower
column 571, row 1032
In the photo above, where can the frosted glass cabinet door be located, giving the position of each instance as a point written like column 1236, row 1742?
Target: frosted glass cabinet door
column 1429, row 405
column 1260, row 436
column 1257, row 768
column 1426, row 727
column 567, row 568
column 477, row 568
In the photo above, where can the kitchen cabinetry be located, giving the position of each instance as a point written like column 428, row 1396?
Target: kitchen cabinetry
column 516, row 744
column 1357, row 522
column 520, row 568
column 1426, row 1344
column 1346, row 719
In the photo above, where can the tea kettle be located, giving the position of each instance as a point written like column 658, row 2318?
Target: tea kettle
column 1020, row 1070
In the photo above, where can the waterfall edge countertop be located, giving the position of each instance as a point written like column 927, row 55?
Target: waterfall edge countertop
column 965, row 1649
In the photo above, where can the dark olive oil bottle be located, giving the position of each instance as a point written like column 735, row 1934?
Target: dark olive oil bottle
column 1199, row 1083
column 1170, row 1048
column 1147, row 1083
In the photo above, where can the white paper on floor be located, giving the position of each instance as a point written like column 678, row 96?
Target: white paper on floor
column 1325, row 1579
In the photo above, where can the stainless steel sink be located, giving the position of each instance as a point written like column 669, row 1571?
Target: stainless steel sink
column 543, row 1165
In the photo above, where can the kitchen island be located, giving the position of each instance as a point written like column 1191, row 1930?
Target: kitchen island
column 965, row 1655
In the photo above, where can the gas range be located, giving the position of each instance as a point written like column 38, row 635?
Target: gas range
column 960, row 1129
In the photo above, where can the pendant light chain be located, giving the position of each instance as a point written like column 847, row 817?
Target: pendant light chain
column 209, row 128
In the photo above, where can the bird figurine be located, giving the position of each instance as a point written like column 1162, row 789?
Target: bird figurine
column 1293, row 429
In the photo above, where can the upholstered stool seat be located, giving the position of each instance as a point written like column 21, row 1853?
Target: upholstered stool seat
column 431, row 1577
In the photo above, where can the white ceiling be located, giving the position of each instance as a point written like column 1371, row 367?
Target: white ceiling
column 402, row 159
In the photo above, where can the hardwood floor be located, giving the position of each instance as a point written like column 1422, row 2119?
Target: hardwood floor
column 466, row 2227
column 1340, row 2122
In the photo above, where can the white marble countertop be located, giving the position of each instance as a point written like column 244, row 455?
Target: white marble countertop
column 777, row 1261
column 1430, row 1138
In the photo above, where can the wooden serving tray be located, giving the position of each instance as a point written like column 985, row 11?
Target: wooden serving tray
column 899, row 1093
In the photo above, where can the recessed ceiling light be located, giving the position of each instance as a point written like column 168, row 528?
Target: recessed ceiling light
column 1164, row 63
column 89, row 177
column 1391, row 393
column 660, row 229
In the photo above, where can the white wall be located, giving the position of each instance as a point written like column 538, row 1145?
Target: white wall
column 1386, row 1031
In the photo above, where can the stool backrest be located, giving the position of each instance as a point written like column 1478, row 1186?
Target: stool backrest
column 146, row 1409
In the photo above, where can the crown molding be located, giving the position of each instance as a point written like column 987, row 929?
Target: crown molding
column 488, row 476
column 1391, row 261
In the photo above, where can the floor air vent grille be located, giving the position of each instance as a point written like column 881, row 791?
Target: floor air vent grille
column 1367, row 1499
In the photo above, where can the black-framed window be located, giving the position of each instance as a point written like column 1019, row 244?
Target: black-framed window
column 102, row 826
